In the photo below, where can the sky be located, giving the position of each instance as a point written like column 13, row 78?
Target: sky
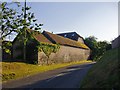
column 99, row 19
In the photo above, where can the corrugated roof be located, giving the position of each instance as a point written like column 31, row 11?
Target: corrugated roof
column 65, row 41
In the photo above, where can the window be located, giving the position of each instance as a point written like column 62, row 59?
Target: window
column 73, row 34
column 65, row 35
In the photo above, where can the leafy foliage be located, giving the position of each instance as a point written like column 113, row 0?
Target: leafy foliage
column 48, row 48
column 27, row 20
column 8, row 18
column 19, row 22
column 13, row 21
column 7, row 47
column 98, row 47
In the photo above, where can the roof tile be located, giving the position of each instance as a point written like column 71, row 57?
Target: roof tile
column 39, row 37
column 65, row 41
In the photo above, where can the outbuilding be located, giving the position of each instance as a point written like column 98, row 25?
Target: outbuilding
column 69, row 50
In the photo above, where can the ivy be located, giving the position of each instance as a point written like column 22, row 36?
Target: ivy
column 7, row 47
column 48, row 48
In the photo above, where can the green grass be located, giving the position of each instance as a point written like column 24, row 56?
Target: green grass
column 104, row 74
column 15, row 70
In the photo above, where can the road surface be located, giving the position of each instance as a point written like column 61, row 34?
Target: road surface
column 66, row 77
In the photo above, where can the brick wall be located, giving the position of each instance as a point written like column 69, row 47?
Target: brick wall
column 116, row 42
column 65, row 54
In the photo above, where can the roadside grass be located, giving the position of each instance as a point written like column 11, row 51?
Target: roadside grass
column 104, row 74
column 15, row 70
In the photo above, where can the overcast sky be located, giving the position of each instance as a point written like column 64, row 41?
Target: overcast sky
column 86, row 18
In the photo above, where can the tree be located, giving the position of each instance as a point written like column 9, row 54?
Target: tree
column 98, row 48
column 7, row 20
column 27, row 20
column 91, row 42
column 13, row 21
column 103, row 46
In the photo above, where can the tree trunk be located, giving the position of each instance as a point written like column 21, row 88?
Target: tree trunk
column 25, row 42
column 24, row 52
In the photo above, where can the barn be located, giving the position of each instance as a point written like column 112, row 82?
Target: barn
column 69, row 49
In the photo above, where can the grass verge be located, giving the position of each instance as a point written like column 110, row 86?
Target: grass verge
column 104, row 74
column 15, row 70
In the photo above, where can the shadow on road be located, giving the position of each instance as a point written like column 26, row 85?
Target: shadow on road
column 64, row 79
column 67, row 78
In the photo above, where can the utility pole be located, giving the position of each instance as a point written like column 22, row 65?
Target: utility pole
column 24, row 32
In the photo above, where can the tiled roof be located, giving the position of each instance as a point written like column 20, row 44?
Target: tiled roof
column 64, row 41
column 39, row 37
column 55, row 39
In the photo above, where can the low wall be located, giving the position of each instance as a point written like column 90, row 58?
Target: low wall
column 65, row 54
column 116, row 42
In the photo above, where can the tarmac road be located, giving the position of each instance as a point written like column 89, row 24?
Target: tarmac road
column 66, row 77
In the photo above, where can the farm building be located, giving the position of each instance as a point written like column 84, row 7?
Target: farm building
column 69, row 49
column 73, row 36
